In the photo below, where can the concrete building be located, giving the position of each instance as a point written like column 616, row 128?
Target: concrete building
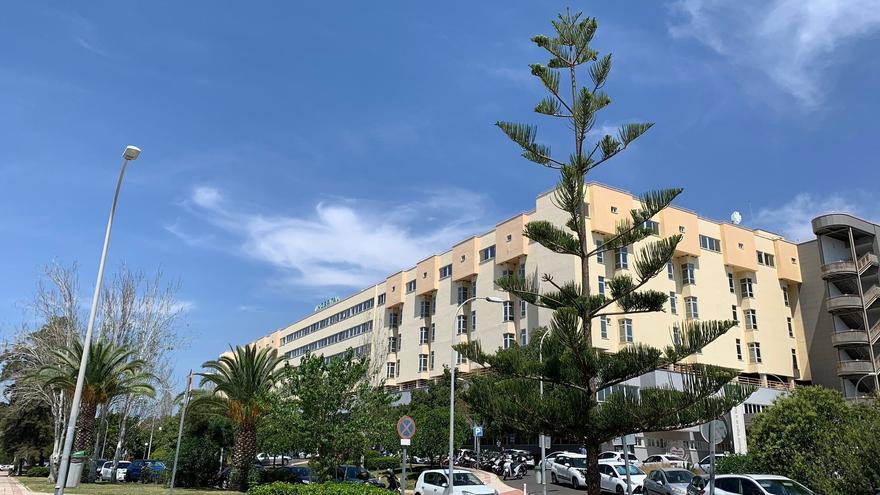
column 841, row 303
column 407, row 322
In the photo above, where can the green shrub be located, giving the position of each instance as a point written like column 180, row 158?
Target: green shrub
column 316, row 489
column 739, row 464
column 382, row 463
column 38, row 472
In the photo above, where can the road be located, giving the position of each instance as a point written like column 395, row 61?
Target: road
column 535, row 489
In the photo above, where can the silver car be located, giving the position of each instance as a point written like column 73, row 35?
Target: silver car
column 668, row 482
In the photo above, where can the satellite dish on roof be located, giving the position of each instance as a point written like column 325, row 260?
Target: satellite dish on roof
column 736, row 218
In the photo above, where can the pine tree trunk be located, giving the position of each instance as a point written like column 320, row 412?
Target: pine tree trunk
column 244, row 455
column 593, row 479
column 86, row 427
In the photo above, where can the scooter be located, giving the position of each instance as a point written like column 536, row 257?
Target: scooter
column 393, row 483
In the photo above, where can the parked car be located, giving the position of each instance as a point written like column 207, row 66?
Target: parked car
column 667, row 460
column 223, row 477
column 356, row 474
column 569, row 468
column 107, row 470
column 302, row 474
column 549, row 458
column 434, row 482
column 613, row 456
column 99, row 464
column 748, row 484
column 706, row 465
column 612, row 477
column 6, row 467
column 136, row 468
column 273, row 459
column 668, row 482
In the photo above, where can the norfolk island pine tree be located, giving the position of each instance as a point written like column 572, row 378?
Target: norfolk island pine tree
column 573, row 369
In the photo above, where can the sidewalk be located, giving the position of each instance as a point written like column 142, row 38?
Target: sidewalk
column 11, row 486
column 495, row 482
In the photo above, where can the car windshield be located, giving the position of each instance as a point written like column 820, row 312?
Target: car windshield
column 577, row 462
column 679, row 476
column 301, row 471
column 784, row 487
column 123, row 464
column 632, row 470
column 462, row 479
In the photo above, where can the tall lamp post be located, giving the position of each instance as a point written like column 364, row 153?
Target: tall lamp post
column 452, row 363
column 541, row 435
column 130, row 153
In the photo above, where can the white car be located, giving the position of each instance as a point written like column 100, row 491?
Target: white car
column 6, row 467
column 433, row 482
column 706, row 465
column 667, row 460
column 107, row 469
column 757, row 484
column 269, row 459
column 569, row 468
column 613, row 477
column 549, row 458
column 613, row 456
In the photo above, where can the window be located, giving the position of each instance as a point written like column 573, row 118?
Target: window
column 461, row 324
column 507, row 273
column 522, row 309
column 728, row 484
column 765, row 259
column 785, row 295
column 673, row 303
column 423, row 363
column 730, row 283
column 474, row 288
column 446, row 271
column 425, row 308
column 509, row 238
column 508, row 311
column 522, row 270
column 398, row 367
column 603, row 327
column 602, row 285
column 790, row 328
column 676, row 334
column 652, row 227
column 754, row 352
column 739, row 350
column 381, row 299
column 487, row 253
column 620, row 259
column 390, row 370
column 433, row 332
column 392, row 344
column 794, row 363
column 473, row 320
column 670, row 270
column 691, row 310
column 460, row 358
column 710, row 243
column 509, row 339
column 745, row 287
column 423, row 335
column 681, row 229
column 600, row 254
column 393, row 319
column 523, row 337
column 614, row 210
column 734, row 313
column 462, row 292
column 687, row 273
column 626, row 330
column 463, row 257
column 751, row 319
column 431, row 361
column 410, row 286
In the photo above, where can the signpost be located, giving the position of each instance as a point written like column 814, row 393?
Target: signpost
column 406, row 428
column 714, row 433
column 626, row 440
column 478, row 436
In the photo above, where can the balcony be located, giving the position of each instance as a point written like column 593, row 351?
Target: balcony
column 846, row 302
column 872, row 295
column 838, row 269
column 856, row 367
column 849, row 337
column 868, row 259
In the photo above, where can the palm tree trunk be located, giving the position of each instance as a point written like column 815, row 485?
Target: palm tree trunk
column 244, row 455
column 86, row 429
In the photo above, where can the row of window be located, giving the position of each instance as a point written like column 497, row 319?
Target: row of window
column 425, row 363
column 335, row 318
column 363, row 350
column 344, row 335
column 710, row 243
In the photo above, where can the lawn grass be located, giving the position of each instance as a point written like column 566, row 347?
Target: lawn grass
column 43, row 486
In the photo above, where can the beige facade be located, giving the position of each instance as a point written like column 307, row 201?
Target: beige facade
column 408, row 322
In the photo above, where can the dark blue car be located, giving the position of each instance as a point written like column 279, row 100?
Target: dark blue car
column 133, row 473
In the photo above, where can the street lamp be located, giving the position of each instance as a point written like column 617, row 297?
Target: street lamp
column 541, row 435
column 859, row 382
column 452, row 363
column 130, row 153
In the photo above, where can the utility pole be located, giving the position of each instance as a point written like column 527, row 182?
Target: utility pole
column 180, row 430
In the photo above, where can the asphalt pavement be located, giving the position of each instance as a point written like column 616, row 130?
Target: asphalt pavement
column 535, row 489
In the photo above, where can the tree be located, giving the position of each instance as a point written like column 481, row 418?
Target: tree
column 574, row 370
column 204, row 436
column 336, row 408
column 241, row 382
column 429, row 407
column 815, row 437
column 110, row 372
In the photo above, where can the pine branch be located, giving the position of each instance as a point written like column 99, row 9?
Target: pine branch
column 524, row 136
column 552, row 237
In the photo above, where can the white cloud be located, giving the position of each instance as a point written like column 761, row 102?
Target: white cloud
column 341, row 243
column 182, row 306
column 793, row 219
column 793, row 42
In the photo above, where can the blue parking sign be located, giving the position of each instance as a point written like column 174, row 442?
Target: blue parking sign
column 478, row 431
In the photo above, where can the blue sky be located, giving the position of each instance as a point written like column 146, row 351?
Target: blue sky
column 294, row 151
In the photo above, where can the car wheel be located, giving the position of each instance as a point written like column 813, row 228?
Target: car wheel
column 574, row 483
column 619, row 490
column 553, row 478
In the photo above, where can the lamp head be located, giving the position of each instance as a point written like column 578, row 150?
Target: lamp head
column 494, row 299
column 131, row 152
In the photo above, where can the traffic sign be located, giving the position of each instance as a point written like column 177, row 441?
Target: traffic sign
column 406, row 427
column 478, row 431
column 717, row 433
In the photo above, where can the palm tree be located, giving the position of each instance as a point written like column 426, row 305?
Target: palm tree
column 111, row 371
column 240, row 383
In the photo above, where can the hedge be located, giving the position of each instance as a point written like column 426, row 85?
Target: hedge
column 381, row 463
column 316, row 489
column 38, row 472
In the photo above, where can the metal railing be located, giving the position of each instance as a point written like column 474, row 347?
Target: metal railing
column 871, row 294
column 866, row 260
